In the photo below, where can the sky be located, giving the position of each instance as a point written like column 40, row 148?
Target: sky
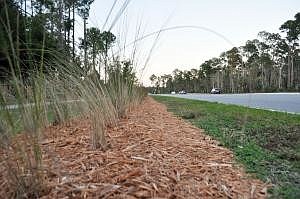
column 217, row 26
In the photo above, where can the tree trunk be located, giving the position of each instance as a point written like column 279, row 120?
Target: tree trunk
column 25, row 8
column 289, row 72
column 84, row 44
column 73, row 33
column 64, row 25
column 99, row 67
column 250, row 80
column 292, row 71
column 221, row 80
column 279, row 77
column 231, row 81
column 218, row 79
column 105, row 63
column 94, row 54
column 32, row 8
column 69, row 29
column 262, row 77
column 60, row 26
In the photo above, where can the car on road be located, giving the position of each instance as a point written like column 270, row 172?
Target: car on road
column 215, row 91
column 182, row 92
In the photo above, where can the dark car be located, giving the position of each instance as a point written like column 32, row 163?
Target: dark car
column 215, row 91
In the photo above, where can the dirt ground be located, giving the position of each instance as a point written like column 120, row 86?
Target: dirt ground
column 153, row 154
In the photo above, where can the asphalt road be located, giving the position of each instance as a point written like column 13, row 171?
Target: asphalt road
column 16, row 106
column 284, row 102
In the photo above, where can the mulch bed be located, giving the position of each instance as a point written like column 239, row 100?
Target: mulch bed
column 153, row 154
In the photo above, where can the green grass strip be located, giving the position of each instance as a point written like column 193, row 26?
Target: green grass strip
column 267, row 143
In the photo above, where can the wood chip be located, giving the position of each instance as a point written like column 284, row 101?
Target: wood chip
column 153, row 155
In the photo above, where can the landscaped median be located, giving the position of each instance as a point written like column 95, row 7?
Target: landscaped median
column 151, row 154
column 267, row 143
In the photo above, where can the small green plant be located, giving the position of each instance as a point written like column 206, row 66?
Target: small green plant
column 265, row 142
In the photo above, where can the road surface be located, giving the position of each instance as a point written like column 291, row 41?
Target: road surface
column 16, row 106
column 284, row 102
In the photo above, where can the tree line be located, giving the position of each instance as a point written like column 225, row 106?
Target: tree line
column 38, row 32
column 267, row 64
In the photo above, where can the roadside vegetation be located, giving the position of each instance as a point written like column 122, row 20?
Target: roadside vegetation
column 266, row 143
column 49, row 77
column 49, row 80
column 270, row 63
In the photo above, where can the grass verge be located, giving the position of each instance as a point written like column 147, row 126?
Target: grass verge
column 266, row 143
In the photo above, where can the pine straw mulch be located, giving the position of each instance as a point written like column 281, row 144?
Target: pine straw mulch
column 153, row 154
